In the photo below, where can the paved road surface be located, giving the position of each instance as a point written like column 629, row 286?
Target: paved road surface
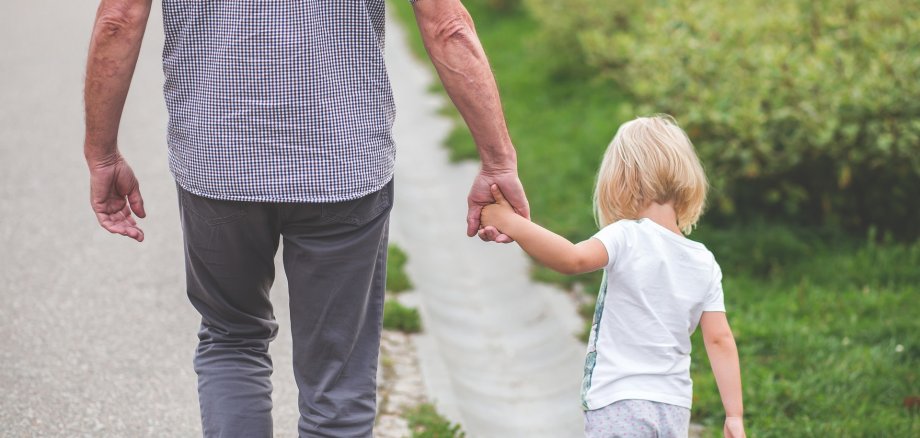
column 96, row 334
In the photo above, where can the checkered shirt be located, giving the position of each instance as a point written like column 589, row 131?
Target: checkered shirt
column 278, row 100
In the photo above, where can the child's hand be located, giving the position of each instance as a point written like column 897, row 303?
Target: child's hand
column 497, row 214
column 734, row 427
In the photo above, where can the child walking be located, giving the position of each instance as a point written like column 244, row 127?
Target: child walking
column 658, row 286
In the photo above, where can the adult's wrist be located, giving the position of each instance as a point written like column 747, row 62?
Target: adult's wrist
column 498, row 159
column 96, row 158
column 499, row 167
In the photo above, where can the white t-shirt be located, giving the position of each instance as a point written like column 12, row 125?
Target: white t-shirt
column 658, row 286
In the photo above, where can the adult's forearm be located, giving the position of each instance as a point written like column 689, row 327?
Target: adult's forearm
column 113, row 52
column 450, row 38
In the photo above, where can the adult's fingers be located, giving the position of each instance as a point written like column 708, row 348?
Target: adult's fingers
column 472, row 219
column 514, row 193
column 503, row 238
column 137, row 201
column 491, row 234
column 137, row 234
column 488, row 233
column 118, row 223
column 134, row 233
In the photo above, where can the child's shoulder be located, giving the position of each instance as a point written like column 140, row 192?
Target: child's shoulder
column 618, row 229
column 641, row 230
column 623, row 224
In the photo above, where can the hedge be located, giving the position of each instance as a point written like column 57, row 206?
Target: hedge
column 806, row 110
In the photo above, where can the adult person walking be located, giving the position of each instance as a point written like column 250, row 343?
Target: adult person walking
column 280, row 116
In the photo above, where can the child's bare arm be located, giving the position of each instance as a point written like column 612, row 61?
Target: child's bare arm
column 723, row 355
column 549, row 248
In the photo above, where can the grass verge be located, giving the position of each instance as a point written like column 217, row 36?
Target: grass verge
column 426, row 422
column 402, row 318
column 397, row 279
column 395, row 315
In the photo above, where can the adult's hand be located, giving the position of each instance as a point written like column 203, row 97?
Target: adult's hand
column 115, row 195
column 481, row 195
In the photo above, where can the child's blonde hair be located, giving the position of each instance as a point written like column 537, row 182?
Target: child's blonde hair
column 650, row 160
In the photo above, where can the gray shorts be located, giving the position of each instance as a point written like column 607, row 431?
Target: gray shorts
column 637, row 419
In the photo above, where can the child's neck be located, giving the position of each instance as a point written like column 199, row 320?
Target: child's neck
column 662, row 214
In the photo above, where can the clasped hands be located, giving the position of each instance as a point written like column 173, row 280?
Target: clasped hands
column 494, row 198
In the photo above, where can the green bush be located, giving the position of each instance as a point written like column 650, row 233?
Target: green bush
column 503, row 5
column 397, row 279
column 426, row 422
column 800, row 109
column 402, row 318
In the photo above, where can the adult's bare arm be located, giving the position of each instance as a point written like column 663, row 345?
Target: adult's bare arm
column 114, row 47
column 450, row 38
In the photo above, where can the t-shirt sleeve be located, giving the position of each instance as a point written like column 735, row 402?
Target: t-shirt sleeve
column 715, row 299
column 614, row 238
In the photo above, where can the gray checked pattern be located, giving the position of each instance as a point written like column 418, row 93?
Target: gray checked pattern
column 278, row 101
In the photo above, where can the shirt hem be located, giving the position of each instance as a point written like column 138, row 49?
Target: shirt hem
column 600, row 402
column 293, row 199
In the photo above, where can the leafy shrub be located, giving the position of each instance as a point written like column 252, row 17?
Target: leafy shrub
column 397, row 280
column 402, row 318
column 800, row 109
column 426, row 422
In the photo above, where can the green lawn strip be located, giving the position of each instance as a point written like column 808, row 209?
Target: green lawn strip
column 426, row 422
column 397, row 279
column 395, row 315
column 402, row 318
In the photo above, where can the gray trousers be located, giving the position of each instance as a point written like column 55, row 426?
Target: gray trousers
column 335, row 261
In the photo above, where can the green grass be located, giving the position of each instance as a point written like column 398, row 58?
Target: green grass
column 819, row 316
column 426, row 422
column 397, row 279
column 395, row 315
column 402, row 318
column 829, row 342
